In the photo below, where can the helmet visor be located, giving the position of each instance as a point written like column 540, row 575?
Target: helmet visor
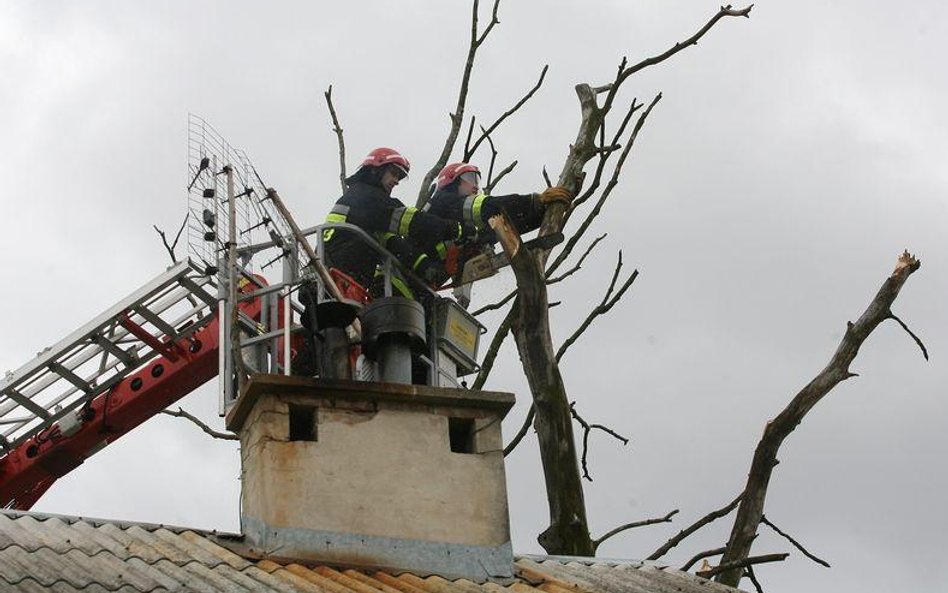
column 398, row 170
column 472, row 177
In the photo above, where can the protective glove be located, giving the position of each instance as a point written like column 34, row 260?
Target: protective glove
column 554, row 194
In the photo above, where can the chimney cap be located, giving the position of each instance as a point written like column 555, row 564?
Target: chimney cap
column 340, row 389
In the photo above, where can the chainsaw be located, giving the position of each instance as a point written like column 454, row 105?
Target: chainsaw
column 478, row 261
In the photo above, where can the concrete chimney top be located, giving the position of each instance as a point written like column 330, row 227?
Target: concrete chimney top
column 375, row 475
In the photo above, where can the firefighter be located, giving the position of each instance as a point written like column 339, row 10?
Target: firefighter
column 367, row 203
column 458, row 197
column 402, row 230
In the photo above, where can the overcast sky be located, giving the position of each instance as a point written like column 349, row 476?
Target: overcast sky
column 793, row 157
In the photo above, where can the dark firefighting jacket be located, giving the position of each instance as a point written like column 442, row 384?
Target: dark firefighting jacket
column 403, row 230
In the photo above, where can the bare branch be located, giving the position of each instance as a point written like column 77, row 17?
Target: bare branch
column 503, row 330
column 608, row 301
column 914, row 337
column 177, row 236
column 603, row 160
column 164, row 239
column 458, row 116
column 546, row 178
column 726, row 11
column 587, row 428
column 700, row 556
column 613, row 182
column 522, row 432
column 338, row 130
column 470, row 133
column 494, row 306
column 666, row 519
column 469, row 152
column 777, row 430
column 796, row 544
column 493, row 21
column 501, row 175
column 749, row 571
column 579, row 264
column 749, row 561
column 226, row 436
column 493, row 159
column 687, row 531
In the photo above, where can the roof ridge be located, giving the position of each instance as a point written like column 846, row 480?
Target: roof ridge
column 590, row 560
column 121, row 524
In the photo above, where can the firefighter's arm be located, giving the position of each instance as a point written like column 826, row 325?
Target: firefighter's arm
column 428, row 268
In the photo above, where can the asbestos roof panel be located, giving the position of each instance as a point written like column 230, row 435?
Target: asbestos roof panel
column 40, row 552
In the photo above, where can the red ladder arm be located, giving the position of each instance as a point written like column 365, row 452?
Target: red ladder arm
column 27, row 471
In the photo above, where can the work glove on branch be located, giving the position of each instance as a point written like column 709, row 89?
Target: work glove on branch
column 555, row 194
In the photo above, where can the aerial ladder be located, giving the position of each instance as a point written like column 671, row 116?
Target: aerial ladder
column 149, row 350
column 213, row 314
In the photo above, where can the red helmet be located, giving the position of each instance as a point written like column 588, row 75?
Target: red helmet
column 453, row 171
column 386, row 156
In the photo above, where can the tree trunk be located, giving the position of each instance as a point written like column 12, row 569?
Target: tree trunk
column 568, row 533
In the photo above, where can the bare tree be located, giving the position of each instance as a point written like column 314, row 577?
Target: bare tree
column 751, row 510
column 529, row 323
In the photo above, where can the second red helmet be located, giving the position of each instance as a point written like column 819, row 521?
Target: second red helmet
column 452, row 171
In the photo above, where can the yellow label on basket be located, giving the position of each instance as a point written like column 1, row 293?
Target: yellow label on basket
column 462, row 334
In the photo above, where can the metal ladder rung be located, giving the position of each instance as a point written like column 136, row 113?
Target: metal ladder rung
column 20, row 420
column 197, row 291
column 126, row 356
column 247, row 323
column 27, row 403
column 153, row 319
column 70, row 376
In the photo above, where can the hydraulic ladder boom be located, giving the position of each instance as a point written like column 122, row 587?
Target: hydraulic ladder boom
column 148, row 351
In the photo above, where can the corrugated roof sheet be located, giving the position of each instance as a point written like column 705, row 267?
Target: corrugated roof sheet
column 40, row 552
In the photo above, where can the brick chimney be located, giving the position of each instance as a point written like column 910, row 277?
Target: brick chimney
column 374, row 475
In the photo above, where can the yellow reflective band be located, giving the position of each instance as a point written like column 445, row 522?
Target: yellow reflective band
column 332, row 217
column 397, row 283
column 442, row 250
column 383, row 238
column 418, row 261
column 406, row 221
column 401, row 287
column 476, row 215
